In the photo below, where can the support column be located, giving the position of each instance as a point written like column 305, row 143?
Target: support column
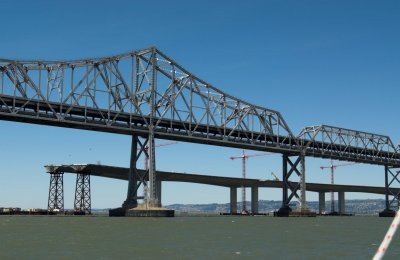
column 387, row 203
column 303, row 206
column 131, row 197
column 285, row 209
column 341, row 202
column 233, row 204
column 388, row 211
column 287, row 185
column 321, row 202
column 284, row 182
column 153, row 199
column 56, row 192
column 254, row 200
column 158, row 189
column 82, row 202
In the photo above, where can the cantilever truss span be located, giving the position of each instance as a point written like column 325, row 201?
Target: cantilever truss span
column 131, row 93
column 147, row 94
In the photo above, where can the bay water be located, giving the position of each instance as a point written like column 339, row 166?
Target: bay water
column 197, row 237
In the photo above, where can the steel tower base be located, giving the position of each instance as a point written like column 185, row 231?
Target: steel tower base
column 141, row 212
column 387, row 213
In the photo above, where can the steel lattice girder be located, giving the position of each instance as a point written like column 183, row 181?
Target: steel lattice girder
column 56, row 192
column 115, row 93
column 346, row 144
column 146, row 92
column 82, row 202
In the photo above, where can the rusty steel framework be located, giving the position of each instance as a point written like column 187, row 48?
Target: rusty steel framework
column 146, row 94
column 82, row 201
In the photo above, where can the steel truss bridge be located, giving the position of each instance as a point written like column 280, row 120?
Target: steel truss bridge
column 147, row 95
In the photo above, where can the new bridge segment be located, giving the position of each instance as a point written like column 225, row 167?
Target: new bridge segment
column 122, row 173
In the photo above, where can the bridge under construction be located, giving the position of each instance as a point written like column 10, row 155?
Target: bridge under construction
column 147, row 95
column 83, row 172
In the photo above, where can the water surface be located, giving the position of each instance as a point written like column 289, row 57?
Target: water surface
column 219, row 237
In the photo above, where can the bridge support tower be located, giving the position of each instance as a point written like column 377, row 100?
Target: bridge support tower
column 56, row 193
column 82, row 202
column 292, row 165
column 391, row 204
column 151, row 202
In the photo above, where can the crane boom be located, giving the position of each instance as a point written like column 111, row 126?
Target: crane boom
column 333, row 167
column 244, row 157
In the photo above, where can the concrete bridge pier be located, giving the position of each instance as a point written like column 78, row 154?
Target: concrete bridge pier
column 254, row 200
column 321, row 202
column 341, row 202
column 233, row 203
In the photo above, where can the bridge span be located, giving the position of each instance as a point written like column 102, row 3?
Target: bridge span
column 147, row 95
column 233, row 184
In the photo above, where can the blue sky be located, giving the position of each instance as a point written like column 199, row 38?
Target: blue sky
column 331, row 62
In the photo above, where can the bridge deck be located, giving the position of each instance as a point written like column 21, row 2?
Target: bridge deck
column 122, row 173
column 40, row 112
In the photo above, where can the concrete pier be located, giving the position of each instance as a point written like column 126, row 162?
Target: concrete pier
column 233, row 200
column 321, row 202
column 341, row 202
column 158, row 189
column 254, row 200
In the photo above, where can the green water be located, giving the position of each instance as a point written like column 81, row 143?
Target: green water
column 73, row 237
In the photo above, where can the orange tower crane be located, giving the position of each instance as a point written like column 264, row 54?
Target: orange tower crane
column 244, row 157
column 333, row 167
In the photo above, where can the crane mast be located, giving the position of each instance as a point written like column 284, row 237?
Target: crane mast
column 332, row 167
column 244, row 157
